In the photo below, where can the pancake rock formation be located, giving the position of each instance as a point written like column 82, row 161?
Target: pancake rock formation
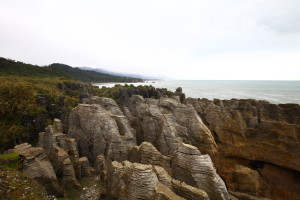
column 258, row 145
column 172, row 148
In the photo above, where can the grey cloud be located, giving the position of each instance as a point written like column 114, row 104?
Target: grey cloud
column 156, row 37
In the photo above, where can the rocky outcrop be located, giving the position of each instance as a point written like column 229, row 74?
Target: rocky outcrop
column 245, row 196
column 36, row 165
column 124, row 93
column 188, row 192
column 247, row 181
column 131, row 181
column 166, row 123
column 180, row 94
column 63, row 167
column 46, row 140
column 254, row 130
column 188, row 166
column 165, row 148
column 101, row 129
column 197, row 170
column 100, row 163
column 106, row 140
column 197, row 133
column 128, row 180
column 71, row 87
column 255, row 134
column 85, row 167
column 62, row 153
column 146, row 153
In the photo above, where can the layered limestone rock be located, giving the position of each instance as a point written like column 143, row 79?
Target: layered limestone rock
column 46, row 140
column 255, row 134
column 131, row 181
column 198, row 171
column 63, row 154
column 101, row 129
column 100, row 163
column 146, row 153
column 63, row 167
column 248, row 181
column 107, row 103
column 36, row 165
column 69, row 145
column 254, row 130
column 188, row 192
column 85, row 167
column 197, row 133
column 166, row 123
column 128, row 180
column 104, row 135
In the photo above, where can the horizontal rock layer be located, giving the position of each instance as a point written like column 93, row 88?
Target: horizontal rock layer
column 255, row 134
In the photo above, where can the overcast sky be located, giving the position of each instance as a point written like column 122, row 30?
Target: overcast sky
column 201, row 39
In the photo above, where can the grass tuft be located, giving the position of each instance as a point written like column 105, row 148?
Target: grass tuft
column 10, row 161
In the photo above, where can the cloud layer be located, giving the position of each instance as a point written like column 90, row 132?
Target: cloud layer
column 207, row 39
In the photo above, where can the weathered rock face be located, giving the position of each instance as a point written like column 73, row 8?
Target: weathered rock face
column 107, row 103
column 63, row 167
column 100, row 163
column 197, row 170
column 188, row 192
column 101, row 129
column 248, row 181
column 166, row 123
column 46, row 140
column 128, row 180
column 254, row 146
column 256, row 134
column 62, row 153
column 148, row 154
column 185, row 164
column 198, row 134
column 131, row 181
column 104, row 135
column 181, row 95
column 85, row 167
column 36, row 165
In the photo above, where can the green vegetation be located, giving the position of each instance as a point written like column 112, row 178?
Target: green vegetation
column 93, row 187
column 11, row 67
column 32, row 96
column 16, row 186
column 122, row 93
column 21, row 116
column 10, row 161
column 90, row 76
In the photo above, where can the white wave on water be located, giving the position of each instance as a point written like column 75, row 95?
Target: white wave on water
column 272, row 91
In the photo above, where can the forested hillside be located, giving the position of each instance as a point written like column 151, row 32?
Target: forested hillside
column 11, row 67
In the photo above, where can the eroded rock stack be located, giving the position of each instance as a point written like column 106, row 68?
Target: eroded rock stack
column 101, row 129
column 36, row 165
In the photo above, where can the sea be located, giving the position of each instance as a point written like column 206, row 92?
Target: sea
column 273, row 91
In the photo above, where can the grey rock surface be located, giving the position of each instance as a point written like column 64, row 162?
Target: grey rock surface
column 97, row 132
column 36, row 165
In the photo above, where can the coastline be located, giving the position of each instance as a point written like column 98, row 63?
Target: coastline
column 277, row 92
